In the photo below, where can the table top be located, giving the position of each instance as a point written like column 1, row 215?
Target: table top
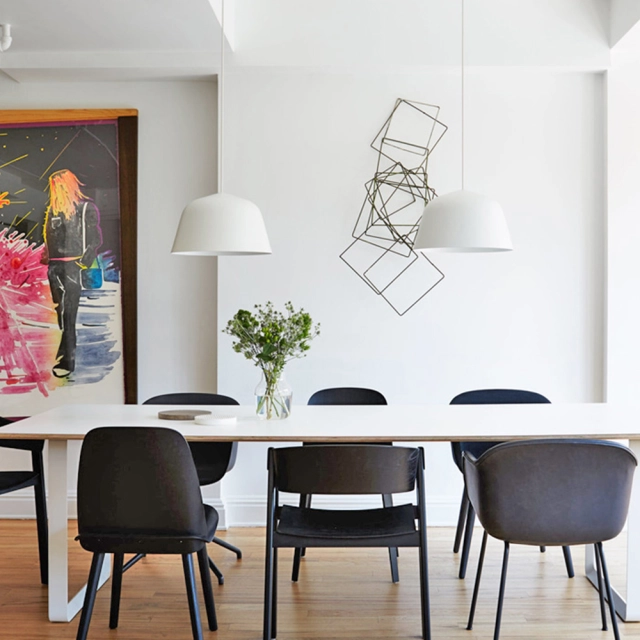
column 397, row 423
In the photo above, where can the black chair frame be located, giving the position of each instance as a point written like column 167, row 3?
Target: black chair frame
column 346, row 396
column 14, row 480
column 344, row 469
column 213, row 459
column 156, row 509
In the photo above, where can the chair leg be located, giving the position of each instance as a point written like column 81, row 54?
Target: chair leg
column 387, row 502
column 542, row 549
column 299, row 552
column 216, row 571
column 190, row 582
column 476, row 587
column 127, row 565
column 205, row 578
column 566, row 551
column 462, row 517
column 468, row 533
column 503, row 582
column 274, row 602
column 307, row 505
column 295, row 570
column 605, row 574
column 116, row 587
column 90, row 595
column 603, row 610
column 425, row 608
column 227, row 545
column 41, row 516
column 269, row 600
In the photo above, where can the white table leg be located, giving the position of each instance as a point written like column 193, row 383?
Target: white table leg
column 632, row 609
column 60, row 608
column 629, row 609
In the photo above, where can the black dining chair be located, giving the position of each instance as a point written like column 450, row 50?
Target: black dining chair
column 466, row 516
column 138, row 492
column 550, row 492
column 213, row 459
column 14, row 480
column 361, row 469
column 346, row 396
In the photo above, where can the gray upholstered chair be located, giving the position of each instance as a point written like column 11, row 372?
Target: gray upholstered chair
column 550, row 492
column 467, row 514
column 359, row 469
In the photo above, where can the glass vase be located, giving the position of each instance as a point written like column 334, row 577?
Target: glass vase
column 273, row 397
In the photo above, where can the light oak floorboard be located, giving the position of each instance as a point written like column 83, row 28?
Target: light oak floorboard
column 341, row 593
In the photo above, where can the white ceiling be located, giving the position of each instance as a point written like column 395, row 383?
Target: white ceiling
column 108, row 39
column 110, row 25
column 76, row 40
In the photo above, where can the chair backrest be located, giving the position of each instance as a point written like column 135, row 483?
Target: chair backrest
column 490, row 396
column 35, row 446
column 191, row 398
column 559, row 492
column 138, row 481
column 344, row 469
column 500, row 396
column 346, row 396
column 213, row 459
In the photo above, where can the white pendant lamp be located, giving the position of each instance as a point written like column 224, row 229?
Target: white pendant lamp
column 463, row 221
column 221, row 224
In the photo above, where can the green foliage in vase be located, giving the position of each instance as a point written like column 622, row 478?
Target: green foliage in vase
column 271, row 338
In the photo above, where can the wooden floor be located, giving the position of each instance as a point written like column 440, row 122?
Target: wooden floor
column 341, row 594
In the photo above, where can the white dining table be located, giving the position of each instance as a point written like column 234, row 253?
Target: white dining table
column 399, row 423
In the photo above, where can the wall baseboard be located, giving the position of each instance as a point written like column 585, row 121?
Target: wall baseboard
column 19, row 506
column 246, row 511
column 250, row 511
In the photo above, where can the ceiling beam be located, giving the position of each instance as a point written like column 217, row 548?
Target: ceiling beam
column 101, row 66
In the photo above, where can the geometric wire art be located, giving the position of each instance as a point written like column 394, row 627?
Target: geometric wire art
column 381, row 253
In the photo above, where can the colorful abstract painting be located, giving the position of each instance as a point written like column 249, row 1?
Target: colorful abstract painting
column 61, row 262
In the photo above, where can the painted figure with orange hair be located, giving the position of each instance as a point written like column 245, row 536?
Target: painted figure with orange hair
column 72, row 236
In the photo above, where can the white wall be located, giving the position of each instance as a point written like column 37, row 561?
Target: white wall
column 624, row 14
column 297, row 145
column 623, row 232
column 176, row 295
column 383, row 34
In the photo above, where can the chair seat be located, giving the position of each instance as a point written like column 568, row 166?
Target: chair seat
column 150, row 542
column 367, row 527
column 14, row 480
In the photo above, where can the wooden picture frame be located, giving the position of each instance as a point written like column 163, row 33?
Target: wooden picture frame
column 93, row 146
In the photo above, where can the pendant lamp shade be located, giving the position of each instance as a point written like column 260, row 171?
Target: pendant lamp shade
column 463, row 222
column 221, row 225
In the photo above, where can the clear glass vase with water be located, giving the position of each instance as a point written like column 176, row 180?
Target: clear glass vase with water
column 273, row 397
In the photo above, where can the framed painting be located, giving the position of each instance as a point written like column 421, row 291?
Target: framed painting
column 68, row 195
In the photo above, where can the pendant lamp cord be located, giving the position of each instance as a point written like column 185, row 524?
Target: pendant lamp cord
column 221, row 101
column 462, row 89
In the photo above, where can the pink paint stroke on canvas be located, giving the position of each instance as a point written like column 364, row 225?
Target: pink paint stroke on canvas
column 27, row 342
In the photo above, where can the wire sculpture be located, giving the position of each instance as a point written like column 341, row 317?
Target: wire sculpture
column 381, row 253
